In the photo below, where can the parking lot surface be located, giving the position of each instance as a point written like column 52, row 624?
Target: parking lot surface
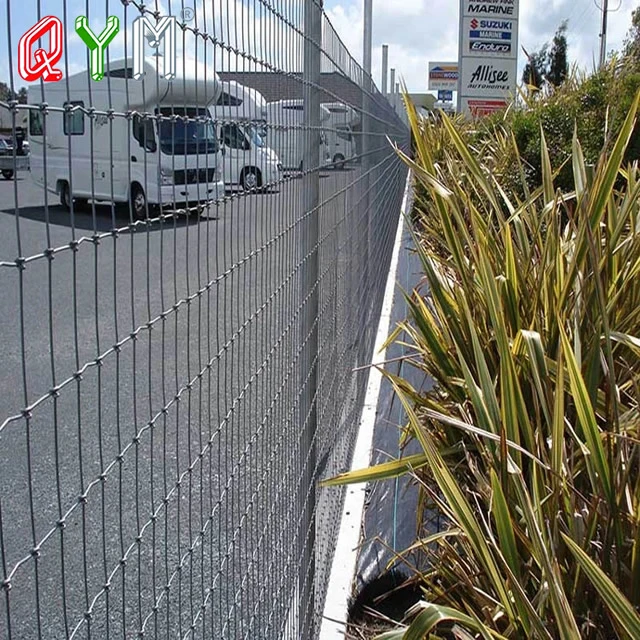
column 133, row 400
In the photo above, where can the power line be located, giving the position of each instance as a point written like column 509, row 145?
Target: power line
column 609, row 10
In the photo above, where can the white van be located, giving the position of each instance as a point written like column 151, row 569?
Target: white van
column 238, row 103
column 246, row 159
column 166, row 154
column 286, row 135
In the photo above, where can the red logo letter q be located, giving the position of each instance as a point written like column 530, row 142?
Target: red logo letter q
column 44, row 60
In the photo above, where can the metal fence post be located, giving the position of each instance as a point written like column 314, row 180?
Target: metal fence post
column 310, row 292
column 367, row 104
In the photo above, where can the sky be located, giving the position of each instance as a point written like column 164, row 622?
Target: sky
column 416, row 31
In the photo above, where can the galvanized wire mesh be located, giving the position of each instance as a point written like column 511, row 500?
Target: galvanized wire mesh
column 180, row 347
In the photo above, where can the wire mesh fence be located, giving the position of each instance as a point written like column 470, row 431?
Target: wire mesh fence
column 191, row 270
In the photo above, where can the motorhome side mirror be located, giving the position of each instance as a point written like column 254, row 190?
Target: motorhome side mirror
column 223, row 150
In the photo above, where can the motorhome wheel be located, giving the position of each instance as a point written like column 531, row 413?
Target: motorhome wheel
column 250, row 179
column 138, row 202
column 65, row 196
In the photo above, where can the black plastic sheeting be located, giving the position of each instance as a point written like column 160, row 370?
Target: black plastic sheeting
column 390, row 522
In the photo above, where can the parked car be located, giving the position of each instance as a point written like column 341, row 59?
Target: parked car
column 8, row 164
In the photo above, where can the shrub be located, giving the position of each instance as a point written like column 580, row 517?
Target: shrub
column 531, row 329
column 596, row 105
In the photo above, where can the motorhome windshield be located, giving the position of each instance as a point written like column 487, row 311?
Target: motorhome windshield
column 255, row 135
column 186, row 137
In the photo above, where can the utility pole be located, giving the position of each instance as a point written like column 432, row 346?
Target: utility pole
column 603, row 34
column 385, row 68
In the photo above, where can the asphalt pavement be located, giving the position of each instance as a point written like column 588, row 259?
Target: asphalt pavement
column 148, row 387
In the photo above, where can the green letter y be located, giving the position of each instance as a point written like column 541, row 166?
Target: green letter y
column 97, row 44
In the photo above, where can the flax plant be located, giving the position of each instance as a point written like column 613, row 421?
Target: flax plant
column 530, row 326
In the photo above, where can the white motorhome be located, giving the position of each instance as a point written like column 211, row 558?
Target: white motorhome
column 247, row 161
column 166, row 154
column 341, row 144
column 287, row 133
column 342, row 113
column 340, row 137
column 238, row 103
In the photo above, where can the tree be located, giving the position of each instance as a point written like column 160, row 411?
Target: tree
column 6, row 94
column 632, row 43
column 557, row 60
column 548, row 65
column 535, row 70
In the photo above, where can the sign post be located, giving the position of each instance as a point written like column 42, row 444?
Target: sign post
column 488, row 57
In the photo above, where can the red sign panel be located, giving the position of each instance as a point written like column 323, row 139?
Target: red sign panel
column 479, row 108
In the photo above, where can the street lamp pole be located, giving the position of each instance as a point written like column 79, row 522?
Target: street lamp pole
column 385, row 68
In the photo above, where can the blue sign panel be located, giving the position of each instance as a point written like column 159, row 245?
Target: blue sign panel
column 488, row 34
column 445, row 96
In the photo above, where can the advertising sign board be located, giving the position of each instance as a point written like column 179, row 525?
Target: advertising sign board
column 443, row 76
column 488, row 56
column 487, row 77
column 496, row 38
